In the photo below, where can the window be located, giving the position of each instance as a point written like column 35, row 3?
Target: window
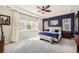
column 28, row 23
column 66, row 24
column 46, row 25
column 54, row 22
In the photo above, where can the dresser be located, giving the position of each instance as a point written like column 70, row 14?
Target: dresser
column 2, row 45
column 77, row 42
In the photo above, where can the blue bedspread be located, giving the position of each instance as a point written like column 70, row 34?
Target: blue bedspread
column 50, row 34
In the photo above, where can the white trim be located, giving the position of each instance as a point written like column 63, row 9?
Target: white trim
column 23, row 11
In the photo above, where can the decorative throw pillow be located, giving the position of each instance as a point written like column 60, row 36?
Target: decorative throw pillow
column 56, row 30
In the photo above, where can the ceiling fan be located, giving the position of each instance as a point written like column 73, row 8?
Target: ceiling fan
column 43, row 9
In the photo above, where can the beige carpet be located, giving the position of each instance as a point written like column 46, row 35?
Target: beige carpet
column 34, row 45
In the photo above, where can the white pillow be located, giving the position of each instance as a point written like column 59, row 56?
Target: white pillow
column 52, row 29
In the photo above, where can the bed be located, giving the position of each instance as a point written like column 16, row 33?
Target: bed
column 54, row 34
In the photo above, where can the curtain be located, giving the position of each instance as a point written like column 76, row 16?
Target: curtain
column 17, row 18
column 14, row 36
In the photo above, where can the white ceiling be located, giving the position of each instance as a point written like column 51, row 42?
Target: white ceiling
column 55, row 9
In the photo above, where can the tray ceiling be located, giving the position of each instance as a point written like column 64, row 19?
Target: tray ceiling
column 55, row 9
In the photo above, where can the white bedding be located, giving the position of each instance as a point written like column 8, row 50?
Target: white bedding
column 52, row 29
column 48, row 38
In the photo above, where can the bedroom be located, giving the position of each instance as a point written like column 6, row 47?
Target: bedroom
column 28, row 24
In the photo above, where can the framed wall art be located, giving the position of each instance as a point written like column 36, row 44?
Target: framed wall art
column 4, row 20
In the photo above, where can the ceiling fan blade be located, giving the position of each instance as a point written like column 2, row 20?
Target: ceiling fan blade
column 47, row 6
column 47, row 10
column 39, row 10
column 38, row 7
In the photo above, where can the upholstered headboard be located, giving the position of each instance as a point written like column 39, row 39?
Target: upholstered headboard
column 54, row 28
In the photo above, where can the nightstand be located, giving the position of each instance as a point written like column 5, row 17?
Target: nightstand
column 66, row 34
